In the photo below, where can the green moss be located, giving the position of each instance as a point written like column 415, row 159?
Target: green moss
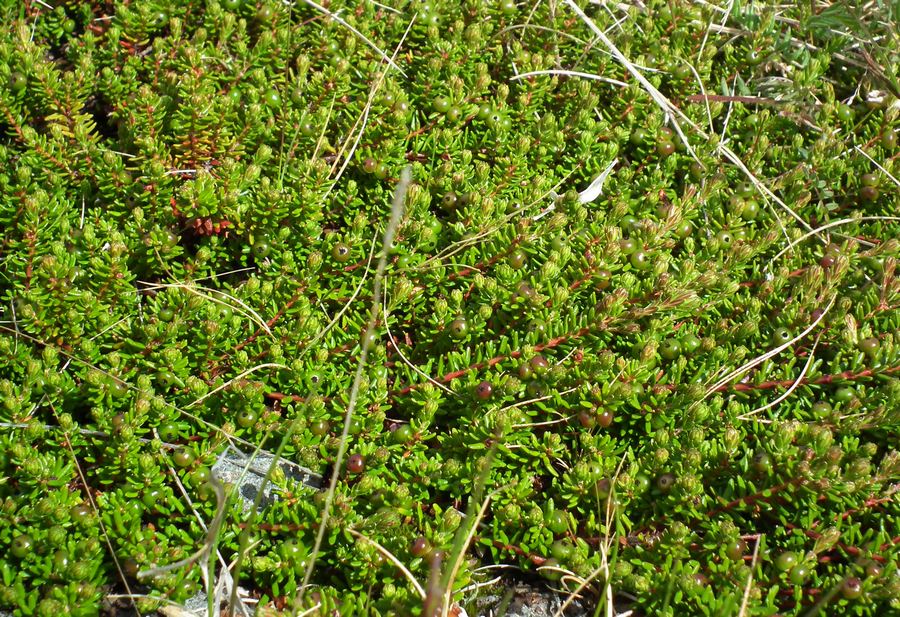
column 193, row 197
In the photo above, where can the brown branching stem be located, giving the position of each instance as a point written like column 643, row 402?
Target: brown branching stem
column 823, row 379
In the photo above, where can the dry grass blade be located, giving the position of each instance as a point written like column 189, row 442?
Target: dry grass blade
column 212, row 607
column 559, row 570
column 769, row 354
column 96, row 509
column 390, row 231
column 208, row 544
column 655, row 94
column 461, row 245
column 595, row 188
column 405, row 360
column 480, row 585
column 320, row 140
column 364, row 117
column 393, row 559
column 356, row 32
column 336, row 319
column 206, row 424
column 276, row 457
column 822, row 228
column 566, row 73
column 604, row 547
column 746, row 598
column 238, row 377
column 213, row 592
column 312, row 610
column 538, row 399
column 878, row 165
column 762, row 188
column 726, row 12
column 709, row 117
column 239, row 306
column 472, row 522
column 793, row 386
column 671, row 111
column 561, row 420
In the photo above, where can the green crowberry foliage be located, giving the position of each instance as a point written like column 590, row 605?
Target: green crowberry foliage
column 193, row 196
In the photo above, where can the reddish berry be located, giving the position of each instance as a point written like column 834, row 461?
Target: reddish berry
column 484, row 390
column 356, row 463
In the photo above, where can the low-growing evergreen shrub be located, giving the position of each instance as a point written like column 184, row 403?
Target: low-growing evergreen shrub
column 636, row 332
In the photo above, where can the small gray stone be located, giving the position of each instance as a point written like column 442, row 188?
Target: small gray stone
column 247, row 474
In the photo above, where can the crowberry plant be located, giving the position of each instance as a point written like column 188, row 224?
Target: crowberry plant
column 633, row 328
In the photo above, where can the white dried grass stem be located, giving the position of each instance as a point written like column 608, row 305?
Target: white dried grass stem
column 774, row 352
column 394, row 560
column 793, row 386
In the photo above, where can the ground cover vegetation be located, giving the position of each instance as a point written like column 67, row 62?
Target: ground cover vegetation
column 633, row 330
